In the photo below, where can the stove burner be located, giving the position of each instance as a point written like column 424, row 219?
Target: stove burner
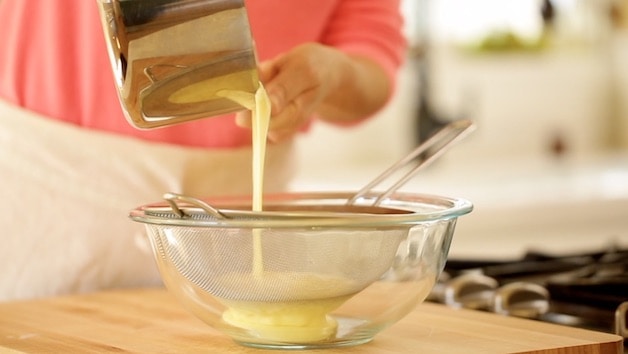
column 582, row 290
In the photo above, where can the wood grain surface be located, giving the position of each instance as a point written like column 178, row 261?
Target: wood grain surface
column 152, row 321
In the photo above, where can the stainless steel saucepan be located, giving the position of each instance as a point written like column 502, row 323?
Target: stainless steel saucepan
column 170, row 56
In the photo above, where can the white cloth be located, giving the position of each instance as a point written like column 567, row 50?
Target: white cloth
column 66, row 193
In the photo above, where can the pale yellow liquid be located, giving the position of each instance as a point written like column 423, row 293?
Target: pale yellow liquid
column 213, row 88
column 259, row 105
column 301, row 316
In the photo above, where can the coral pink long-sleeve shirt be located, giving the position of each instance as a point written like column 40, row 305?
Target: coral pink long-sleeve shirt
column 54, row 61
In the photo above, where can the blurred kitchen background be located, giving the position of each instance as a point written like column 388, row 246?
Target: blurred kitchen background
column 547, row 84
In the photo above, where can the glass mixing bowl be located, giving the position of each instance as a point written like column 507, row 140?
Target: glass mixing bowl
column 308, row 272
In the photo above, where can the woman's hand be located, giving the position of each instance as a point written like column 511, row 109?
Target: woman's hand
column 314, row 79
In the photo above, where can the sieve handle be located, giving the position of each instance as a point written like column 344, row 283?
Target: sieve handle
column 173, row 198
column 433, row 147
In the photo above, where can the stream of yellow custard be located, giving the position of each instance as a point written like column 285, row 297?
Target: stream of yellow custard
column 297, row 318
column 259, row 105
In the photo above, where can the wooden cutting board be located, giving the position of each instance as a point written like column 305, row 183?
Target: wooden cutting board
column 152, row 321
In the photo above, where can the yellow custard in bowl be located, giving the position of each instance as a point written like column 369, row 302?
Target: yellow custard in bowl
column 298, row 313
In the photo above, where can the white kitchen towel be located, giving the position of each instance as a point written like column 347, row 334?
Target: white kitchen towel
column 67, row 191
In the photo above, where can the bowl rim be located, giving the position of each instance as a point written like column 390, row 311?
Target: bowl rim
column 400, row 208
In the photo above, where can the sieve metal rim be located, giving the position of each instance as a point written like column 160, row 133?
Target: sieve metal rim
column 413, row 209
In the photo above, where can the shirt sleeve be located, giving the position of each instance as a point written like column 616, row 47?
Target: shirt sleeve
column 371, row 28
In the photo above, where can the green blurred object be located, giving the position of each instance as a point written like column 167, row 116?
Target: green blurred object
column 507, row 41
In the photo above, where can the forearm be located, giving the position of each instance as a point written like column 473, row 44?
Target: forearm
column 361, row 88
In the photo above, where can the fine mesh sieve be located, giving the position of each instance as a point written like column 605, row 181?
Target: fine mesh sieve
column 302, row 247
column 303, row 259
column 297, row 264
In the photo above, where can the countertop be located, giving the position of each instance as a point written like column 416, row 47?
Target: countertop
column 152, row 321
